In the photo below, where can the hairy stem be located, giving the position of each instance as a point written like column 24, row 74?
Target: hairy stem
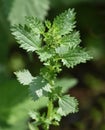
column 50, row 109
column 49, row 112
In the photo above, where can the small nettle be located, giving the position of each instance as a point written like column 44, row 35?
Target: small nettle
column 57, row 45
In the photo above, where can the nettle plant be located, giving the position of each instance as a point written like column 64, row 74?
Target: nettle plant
column 56, row 45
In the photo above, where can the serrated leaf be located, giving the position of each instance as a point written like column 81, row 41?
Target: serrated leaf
column 44, row 55
column 66, row 83
column 64, row 23
column 68, row 42
column 24, row 77
column 48, row 24
column 35, row 25
column 39, row 87
column 22, row 8
column 62, row 49
column 67, row 105
column 28, row 35
column 71, row 40
column 75, row 56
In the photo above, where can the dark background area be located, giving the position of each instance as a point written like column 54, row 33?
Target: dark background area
column 90, row 89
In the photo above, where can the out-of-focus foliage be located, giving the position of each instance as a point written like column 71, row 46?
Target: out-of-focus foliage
column 67, row 83
column 55, row 3
column 16, row 10
column 15, row 104
column 22, row 8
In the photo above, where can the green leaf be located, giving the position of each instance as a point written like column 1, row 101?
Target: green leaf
column 11, row 94
column 67, row 105
column 55, row 117
column 62, row 49
column 35, row 25
column 19, row 114
column 48, row 24
column 45, row 53
column 24, row 77
column 72, row 40
column 31, row 127
column 75, row 56
column 34, row 115
column 66, row 83
column 39, row 87
column 67, row 42
column 64, row 23
column 22, row 8
column 28, row 36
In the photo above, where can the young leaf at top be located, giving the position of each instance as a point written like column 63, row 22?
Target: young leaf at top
column 64, row 23
column 67, row 105
column 24, row 77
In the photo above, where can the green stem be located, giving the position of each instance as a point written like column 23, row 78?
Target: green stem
column 49, row 112
column 50, row 109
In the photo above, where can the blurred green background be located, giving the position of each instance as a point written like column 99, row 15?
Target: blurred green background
column 15, row 102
